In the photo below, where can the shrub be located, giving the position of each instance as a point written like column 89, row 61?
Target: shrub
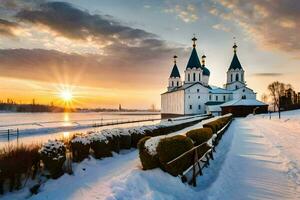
column 170, row 148
column 212, row 125
column 53, row 155
column 113, row 139
column 125, row 141
column 80, row 147
column 200, row 135
column 16, row 162
column 100, row 145
column 136, row 136
column 123, row 136
column 148, row 161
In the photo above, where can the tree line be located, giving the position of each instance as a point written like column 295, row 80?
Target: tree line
column 12, row 106
column 282, row 96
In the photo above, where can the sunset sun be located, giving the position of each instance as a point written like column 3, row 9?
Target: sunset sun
column 66, row 95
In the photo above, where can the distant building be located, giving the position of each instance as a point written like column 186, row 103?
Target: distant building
column 194, row 95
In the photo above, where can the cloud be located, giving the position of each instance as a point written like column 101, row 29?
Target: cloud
column 7, row 28
column 221, row 27
column 272, row 24
column 122, row 67
column 71, row 22
column 268, row 74
column 186, row 13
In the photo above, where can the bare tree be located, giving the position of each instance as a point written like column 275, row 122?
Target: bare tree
column 152, row 108
column 277, row 90
column 264, row 98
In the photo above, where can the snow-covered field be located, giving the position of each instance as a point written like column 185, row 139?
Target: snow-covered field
column 40, row 127
column 257, row 158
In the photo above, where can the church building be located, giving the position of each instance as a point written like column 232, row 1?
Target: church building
column 194, row 95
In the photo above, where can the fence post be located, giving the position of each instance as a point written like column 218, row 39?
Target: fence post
column 17, row 136
column 7, row 134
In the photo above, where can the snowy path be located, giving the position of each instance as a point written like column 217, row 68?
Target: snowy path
column 257, row 158
column 253, row 168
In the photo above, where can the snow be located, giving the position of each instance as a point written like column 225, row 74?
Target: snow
column 81, row 139
column 152, row 143
column 257, row 158
column 243, row 102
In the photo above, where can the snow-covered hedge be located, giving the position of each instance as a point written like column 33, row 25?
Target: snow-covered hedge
column 165, row 149
column 53, row 155
column 170, row 148
column 80, row 146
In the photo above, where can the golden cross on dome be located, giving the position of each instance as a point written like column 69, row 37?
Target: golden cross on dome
column 175, row 58
column 194, row 39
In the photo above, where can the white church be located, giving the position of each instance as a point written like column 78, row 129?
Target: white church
column 194, row 95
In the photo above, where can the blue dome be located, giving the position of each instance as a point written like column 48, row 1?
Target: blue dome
column 206, row 71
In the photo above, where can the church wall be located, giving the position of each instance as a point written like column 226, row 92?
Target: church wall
column 219, row 97
column 234, row 85
column 190, row 72
column 249, row 94
column 195, row 96
column 173, row 103
column 205, row 79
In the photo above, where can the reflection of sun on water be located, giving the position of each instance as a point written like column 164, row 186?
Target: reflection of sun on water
column 67, row 119
column 66, row 135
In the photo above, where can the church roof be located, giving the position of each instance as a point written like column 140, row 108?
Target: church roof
column 175, row 72
column 186, row 86
column 218, row 90
column 243, row 102
column 206, row 71
column 194, row 60
column 235, row 63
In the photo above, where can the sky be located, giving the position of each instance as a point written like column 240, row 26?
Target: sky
column 113, row 52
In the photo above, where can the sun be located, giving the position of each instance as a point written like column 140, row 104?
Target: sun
column 66, row 95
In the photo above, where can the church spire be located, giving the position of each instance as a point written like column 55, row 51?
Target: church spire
column 235, row 63
column 175, row 72
column 194, row 59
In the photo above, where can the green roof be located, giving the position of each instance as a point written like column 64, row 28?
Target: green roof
column 235, row 63
column 206, row 71
column 175, row 72
column 194, row 60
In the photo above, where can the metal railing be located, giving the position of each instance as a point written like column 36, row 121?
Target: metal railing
column 8, row 133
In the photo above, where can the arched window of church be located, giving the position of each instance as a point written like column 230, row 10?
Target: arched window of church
column 194, row 77
column 189, row 78
column 237, row 77
column 199, row 76
column 172, row 83
column 177, row 83
column 224, row 98
column 236, row 87
column 217, row 98
column 231, row 78
column 199, row 107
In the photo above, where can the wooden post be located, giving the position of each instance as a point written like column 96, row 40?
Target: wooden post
column 17, row 136
column 7, row 134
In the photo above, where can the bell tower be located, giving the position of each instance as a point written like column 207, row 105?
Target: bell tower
column 174, row 79
column 235, row 73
